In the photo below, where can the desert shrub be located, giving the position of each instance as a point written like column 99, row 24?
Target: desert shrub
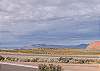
column 64, row 59
column 11, row 59
column 8, row 58
column 84, row 61
column 1, row 58
column 24, row 60
column 50, row 67
column 34, row 60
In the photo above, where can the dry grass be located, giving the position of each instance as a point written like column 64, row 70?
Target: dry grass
column 64, row 51
column 54, row 51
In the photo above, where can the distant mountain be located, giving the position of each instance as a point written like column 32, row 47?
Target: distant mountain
column 81, row 46
column 60, row 46
column 48, row 46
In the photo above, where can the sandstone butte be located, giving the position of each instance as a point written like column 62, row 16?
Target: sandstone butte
column 94, row 46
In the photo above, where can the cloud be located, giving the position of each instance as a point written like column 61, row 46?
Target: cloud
column 49, row 21
column 37, row 9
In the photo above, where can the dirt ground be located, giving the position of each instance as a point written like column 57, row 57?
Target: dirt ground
column 81, row 67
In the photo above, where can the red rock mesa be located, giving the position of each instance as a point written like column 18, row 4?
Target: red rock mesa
column 94, row 45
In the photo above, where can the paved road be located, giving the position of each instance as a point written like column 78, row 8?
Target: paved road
column 17, row 67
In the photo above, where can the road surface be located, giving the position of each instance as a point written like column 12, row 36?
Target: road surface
column 16, row 67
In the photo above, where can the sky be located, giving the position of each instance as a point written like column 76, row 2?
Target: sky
column 57, row 22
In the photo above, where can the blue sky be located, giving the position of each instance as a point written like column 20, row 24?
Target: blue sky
column 62, row 22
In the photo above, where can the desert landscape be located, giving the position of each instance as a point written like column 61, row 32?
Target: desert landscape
column 49, row 35
column 70, row 59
